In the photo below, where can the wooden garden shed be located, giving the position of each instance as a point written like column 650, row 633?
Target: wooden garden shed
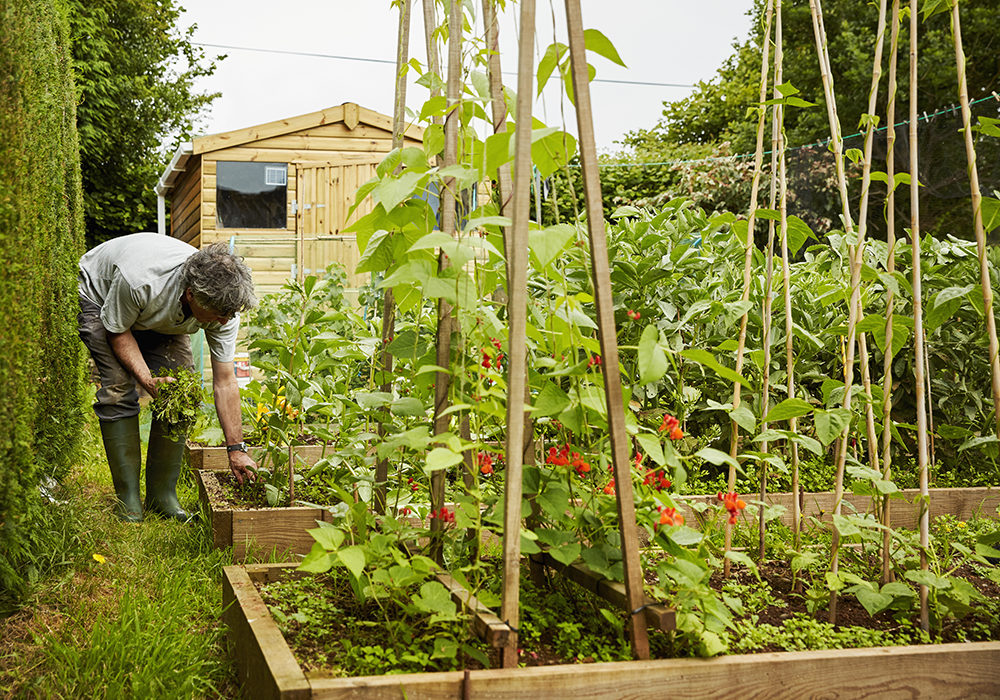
column 279, row 192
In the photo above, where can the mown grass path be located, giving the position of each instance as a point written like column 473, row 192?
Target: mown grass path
column 126, row 611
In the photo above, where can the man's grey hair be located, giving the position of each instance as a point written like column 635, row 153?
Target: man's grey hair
column 219, row 280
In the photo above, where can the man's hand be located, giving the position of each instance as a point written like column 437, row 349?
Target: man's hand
column 227, row 405
column 241, row 464
column 153, row 385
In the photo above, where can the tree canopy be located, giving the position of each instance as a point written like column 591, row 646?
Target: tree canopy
column 717, row 110
column 718, row 116
column 135, row 74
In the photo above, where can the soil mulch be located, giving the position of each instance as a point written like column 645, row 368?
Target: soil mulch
column 850, row 613
column 225, row 492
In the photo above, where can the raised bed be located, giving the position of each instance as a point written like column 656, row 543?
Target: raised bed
column 963, row 503
column 268, row 669
column 282, row 532
column 215, row 458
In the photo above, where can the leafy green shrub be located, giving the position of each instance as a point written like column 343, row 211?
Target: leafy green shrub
column 40, row 227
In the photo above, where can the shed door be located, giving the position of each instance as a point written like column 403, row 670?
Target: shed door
column 325, row 193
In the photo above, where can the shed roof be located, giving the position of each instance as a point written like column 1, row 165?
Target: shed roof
column 349, row 113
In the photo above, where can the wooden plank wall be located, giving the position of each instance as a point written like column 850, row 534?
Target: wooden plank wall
column 270, row 253
column 185, row 205
column 327, row 193
column 963, row 503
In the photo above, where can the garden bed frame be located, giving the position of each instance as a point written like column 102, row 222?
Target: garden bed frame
column 963, row 503
column 268, row 669
column 263, row 531
column 260, row 531
column 216, row 458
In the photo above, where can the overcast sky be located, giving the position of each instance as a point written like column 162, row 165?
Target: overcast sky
column 661, row 41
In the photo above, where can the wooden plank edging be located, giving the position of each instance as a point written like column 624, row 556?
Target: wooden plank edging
column 942, row 671
column 283, row 532
column 216, row 458
column 963, row 503
column 265, row 664
column 485, row 622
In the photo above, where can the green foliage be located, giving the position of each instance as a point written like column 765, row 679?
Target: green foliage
column 677, row 272
column 178, row 403
column 331, row 629
column 803, row 633
column 720, row 117
column 313, row 349
column 41, row 394
column 135, row 73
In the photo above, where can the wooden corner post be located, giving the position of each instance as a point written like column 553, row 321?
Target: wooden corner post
column 606, row 323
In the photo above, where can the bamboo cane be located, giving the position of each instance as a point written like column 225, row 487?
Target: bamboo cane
column 388, row 300
column 977, row 212
column 433, row 60
column 890, row 169
column 765, row 389
column 517, row 291
column 929, row 402
column 748, row 262
column 857, row 246
column 498, row 103
column 445, row 313
column 604, row 302
column 499, row 112
column 819, row 34
column 918, row 319
column 863, row 229
column 873, row 456
column 786, row 286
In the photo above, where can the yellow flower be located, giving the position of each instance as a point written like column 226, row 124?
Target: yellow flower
column 961, row 524
column 99, row 558
column 261, row 411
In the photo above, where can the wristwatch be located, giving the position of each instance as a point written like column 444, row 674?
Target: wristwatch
column 238, row 447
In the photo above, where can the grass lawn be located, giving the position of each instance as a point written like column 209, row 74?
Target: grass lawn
column 124, row 610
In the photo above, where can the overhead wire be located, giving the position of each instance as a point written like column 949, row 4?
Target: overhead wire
column 309, row 54
column 822, row 142
column 649, row 164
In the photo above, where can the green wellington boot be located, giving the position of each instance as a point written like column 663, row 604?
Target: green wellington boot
column 163, row 466
column 121, row 444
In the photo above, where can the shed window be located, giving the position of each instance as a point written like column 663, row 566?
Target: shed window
column 250, row 195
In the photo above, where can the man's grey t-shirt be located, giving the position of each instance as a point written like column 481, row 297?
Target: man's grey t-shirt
column 136, row 280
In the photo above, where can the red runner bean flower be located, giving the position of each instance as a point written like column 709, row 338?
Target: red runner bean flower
column 558, row 457
column 657, row 479
column 672, row 426
column 580, row 465
column 443, row 514
column 485, row 461
column 733, row 504
column 670, row 516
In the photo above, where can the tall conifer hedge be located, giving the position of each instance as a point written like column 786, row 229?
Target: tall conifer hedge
column 41, row 239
